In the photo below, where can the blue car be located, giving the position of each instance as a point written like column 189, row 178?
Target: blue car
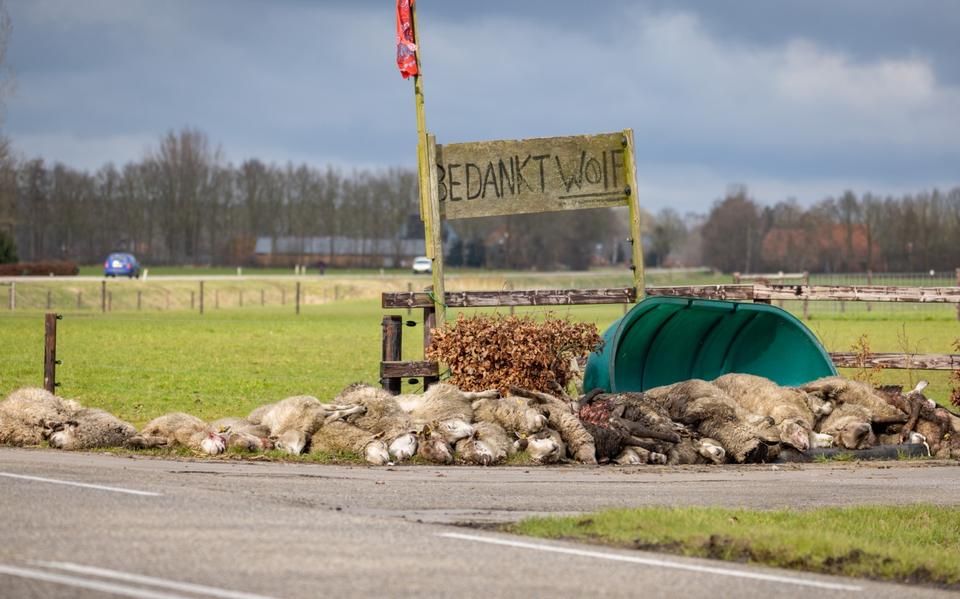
column 121, row 265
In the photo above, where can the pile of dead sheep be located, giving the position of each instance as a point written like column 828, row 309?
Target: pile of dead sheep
column 736, row 418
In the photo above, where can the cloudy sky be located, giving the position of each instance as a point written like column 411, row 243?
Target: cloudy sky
column 794, row 98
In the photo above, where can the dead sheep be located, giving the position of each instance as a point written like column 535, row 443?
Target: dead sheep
column 91, row 428
column 840, row 391
column 545, row 447
column 243, row 435
column 639, row 455
column 560, row 417
column 712, row 413
column 697, row 451
column 179, row 429
column 381, row 415
column 514, row 414
column 488, row 445
column 26, row 415
column 337, row 436
column 442, row 402
column 849, row 425
column 291, row 421
column 612, row 444
column 792, row 411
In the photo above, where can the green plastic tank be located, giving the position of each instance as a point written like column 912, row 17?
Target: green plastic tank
column 663, row 340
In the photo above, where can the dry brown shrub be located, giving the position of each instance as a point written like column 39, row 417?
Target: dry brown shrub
column 497, row 351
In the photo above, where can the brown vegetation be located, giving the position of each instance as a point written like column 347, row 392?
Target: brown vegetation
column 497, row 351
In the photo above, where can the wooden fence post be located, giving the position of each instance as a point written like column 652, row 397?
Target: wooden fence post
column 79, row 300
column 410, row 290
column 50, row 352
column 806, row 283
column 429, row 323
column 958, row 285
column 201, row 297
column 49, row 299
column 869, row 282
column 391, row 350
column 298, row 298
column 139, row 299
column 103, row 296
column 240, row 295
column 13, row 296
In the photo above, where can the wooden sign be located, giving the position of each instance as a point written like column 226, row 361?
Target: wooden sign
column 492, row 178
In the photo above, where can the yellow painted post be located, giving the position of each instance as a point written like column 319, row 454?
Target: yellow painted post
column 633, row 200
column 434, row 236
column 423, row 165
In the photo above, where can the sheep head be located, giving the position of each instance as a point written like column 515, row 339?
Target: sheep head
column 403, row 447
column 213, row 444
column 795, row 433
column 376, row 453
column 533, row 420
column 711, row 450
column 543, row 449
column 628, row 457
column 292, row 442
column 855, row 435
column 433, row 447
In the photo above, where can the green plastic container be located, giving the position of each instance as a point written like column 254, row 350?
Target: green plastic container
column 663, row 340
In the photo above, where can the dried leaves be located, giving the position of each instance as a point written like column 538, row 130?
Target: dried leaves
column 485, row 351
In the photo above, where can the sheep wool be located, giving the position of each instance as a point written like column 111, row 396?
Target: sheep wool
column 91, row 428
column 338, row 436
column 514, row 414
column 26, row 415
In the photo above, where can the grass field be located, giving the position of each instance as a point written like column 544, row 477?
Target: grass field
column 139, row 363
column 907, row 544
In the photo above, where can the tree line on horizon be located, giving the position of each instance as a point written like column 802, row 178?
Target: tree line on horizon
column 182, row 204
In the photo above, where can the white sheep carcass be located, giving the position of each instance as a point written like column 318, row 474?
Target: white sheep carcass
column 178, row 429
column 26, row 415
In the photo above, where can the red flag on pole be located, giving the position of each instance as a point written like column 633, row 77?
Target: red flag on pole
column 406, row 44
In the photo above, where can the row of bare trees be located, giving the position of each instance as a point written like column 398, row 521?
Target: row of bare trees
column 910, row 233
column 182, row 204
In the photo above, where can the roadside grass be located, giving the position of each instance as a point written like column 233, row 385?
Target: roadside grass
column 915, row 544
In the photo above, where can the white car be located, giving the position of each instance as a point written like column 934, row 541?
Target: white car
column 422, row 265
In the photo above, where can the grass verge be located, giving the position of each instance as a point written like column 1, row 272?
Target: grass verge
column 915, row 544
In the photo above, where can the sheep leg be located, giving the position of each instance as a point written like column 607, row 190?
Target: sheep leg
column 536, row 395
column 910, row 426
column 638, row 430
column 343, row 413
column 147, row 442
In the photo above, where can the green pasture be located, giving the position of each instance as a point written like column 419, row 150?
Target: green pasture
column 916, row 544
column 153, row 352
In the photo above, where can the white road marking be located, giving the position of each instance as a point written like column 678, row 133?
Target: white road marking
column 659, row 563
column 159, row 582
column 81, row 583
column 84, row 485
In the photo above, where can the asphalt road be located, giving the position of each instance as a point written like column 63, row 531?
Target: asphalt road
column 93, row 525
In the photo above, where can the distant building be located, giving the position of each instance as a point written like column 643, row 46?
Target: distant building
column 337, row 251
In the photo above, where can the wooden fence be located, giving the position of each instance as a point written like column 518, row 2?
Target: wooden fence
column 393, row 369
